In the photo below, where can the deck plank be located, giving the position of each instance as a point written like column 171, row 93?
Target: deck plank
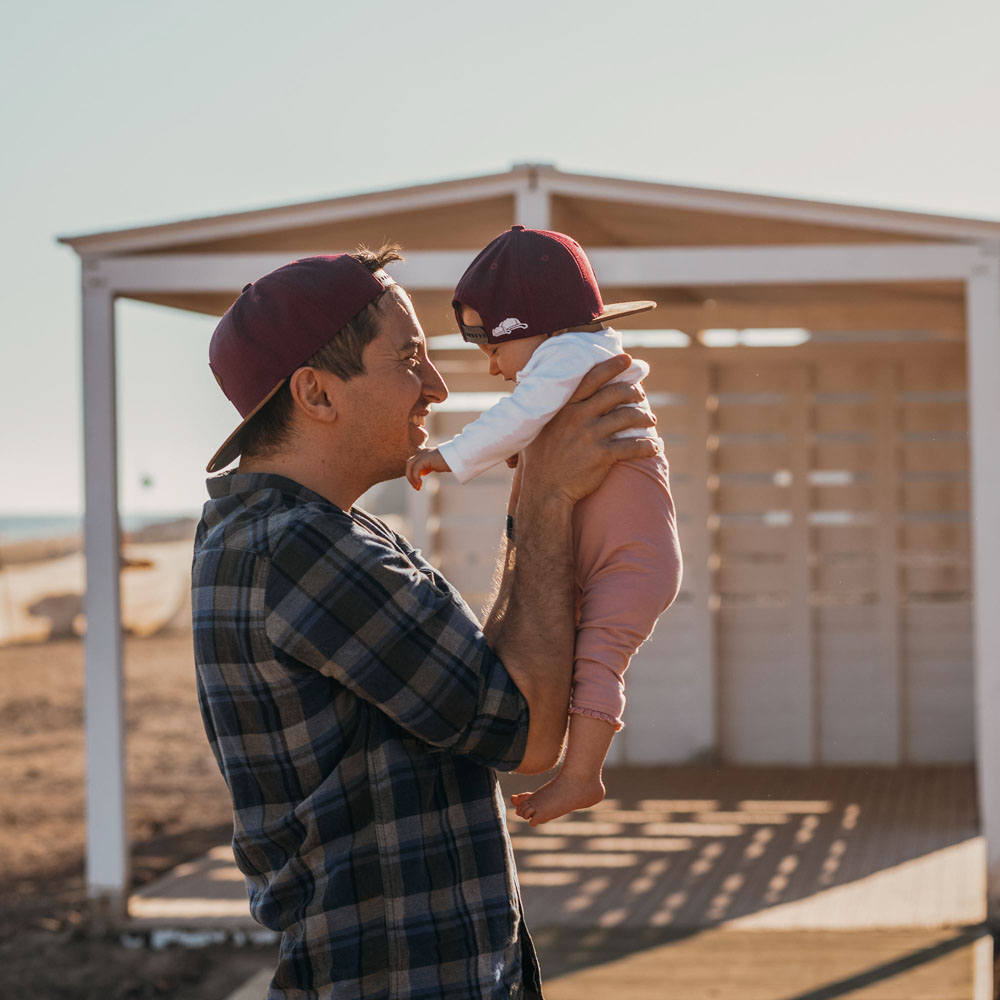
column 781, row 965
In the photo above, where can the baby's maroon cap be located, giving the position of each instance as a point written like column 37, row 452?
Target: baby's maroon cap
column 532, row 281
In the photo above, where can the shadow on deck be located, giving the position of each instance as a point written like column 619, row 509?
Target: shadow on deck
column 869, row 881
column 696, row 847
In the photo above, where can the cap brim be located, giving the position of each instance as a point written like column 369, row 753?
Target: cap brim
column 232, row 447
column 618, row 309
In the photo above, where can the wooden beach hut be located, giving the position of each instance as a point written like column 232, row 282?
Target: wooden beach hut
column 839, row 496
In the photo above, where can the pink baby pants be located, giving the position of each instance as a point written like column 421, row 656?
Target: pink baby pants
column 628, row 570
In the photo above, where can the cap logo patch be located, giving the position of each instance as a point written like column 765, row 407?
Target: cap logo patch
column 508, row 326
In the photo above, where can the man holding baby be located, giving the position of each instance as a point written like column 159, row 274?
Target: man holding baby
column 357, row 708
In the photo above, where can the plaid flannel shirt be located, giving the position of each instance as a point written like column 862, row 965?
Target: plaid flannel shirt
column 357, row 715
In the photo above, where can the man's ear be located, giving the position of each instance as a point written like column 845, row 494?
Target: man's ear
column 315, row 393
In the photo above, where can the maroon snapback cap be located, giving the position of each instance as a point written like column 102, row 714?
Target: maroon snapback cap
column 278, row 323
column 529, row 282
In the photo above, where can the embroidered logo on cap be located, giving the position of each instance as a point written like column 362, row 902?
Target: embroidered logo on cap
column 508, row 326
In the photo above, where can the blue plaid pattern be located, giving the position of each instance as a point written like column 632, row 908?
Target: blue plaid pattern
column 357, row 715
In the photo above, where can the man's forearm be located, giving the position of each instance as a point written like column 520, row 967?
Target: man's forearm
column 531, row 625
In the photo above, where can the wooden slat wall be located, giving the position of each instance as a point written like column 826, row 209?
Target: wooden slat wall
column 470, row 520
column 822, row 496
column 853, row 490
column 764, row 639
column 935, row 564
column 669, row 676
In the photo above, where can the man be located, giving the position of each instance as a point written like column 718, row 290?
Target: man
column 355, row 706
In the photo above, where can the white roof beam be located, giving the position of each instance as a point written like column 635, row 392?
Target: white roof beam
column 770, row 207
column 658, row 266
column 259, row 221
column 782, row 265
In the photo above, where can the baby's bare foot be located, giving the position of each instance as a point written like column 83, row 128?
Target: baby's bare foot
column 564, row 793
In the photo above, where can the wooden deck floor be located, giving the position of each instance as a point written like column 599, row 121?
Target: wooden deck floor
column 779, row 848
column 707, row 883
column 759, row 965
column 779, row 965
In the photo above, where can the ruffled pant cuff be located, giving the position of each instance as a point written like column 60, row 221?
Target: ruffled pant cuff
column 591, row 713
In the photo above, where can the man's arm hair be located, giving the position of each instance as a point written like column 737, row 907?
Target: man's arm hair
column 495, row 605
column 496, row 629
column 496, row 602
column 531, row 624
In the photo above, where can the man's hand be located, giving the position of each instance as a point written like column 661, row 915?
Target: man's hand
column 576, row 449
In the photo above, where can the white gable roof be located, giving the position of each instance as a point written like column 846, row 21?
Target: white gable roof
column 521, row 178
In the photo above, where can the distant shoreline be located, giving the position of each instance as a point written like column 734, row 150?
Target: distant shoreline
column 23, row 551
column 22, row 526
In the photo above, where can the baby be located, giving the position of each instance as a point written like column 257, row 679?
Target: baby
column 530, row 301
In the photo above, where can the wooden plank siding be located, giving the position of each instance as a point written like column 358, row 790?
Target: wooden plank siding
column 822, row 495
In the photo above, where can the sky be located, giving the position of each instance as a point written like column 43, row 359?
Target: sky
column 127, row 113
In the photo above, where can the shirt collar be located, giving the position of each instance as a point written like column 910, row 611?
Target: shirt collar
column 232, row 483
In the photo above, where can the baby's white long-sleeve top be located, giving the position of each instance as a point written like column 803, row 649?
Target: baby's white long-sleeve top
column 544, row 384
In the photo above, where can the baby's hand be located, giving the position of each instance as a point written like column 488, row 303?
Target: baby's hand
column 425, row 461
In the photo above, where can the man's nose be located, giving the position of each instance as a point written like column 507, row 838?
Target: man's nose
column 433, row 384
column 494, row 367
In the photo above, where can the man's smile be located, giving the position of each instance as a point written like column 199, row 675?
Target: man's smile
column 417, row 419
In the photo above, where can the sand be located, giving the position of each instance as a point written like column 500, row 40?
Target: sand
column 178, row 804
column 178, row 809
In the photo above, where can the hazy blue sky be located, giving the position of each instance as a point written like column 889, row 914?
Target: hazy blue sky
column 121, row 113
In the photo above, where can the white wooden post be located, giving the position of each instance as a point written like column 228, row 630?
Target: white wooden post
column 531, row 208
column 983, row 311
column 107, row 832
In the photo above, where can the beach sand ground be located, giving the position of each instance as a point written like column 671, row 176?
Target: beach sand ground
column 178, row 804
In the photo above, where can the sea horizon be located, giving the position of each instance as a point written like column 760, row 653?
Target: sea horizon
column 22, row 526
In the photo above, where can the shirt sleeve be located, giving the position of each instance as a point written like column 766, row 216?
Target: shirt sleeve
column 548, row 381
column 358, row 609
